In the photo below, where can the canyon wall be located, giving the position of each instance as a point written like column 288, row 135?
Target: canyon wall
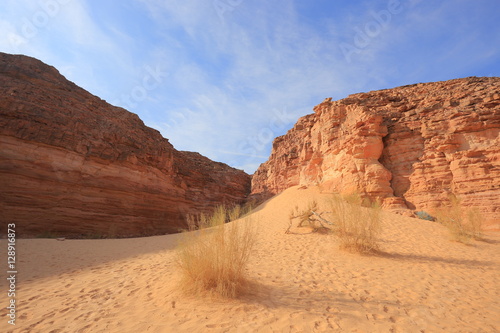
column 410, row 147
column 72, row 164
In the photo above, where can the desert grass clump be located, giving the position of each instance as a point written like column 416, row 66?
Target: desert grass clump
column 356, row 226
column 464, row 225
column 213, row 258
column 247, row 208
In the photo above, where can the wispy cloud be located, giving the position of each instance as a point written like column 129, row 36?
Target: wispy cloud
column 258, row 72
column 225, row 77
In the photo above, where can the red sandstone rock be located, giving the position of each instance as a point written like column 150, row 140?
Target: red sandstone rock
column 410, row 147
column 72, row 164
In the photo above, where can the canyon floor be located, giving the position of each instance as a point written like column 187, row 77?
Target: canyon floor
column 420, row 282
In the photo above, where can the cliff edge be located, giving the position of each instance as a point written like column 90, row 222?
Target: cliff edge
column 410, row 147
column 72, row 164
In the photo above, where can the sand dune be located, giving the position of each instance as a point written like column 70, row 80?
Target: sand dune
column 421, row 282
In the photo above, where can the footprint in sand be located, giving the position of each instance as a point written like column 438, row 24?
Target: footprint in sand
column 329, row 309
column 85, row 316
column 305, row 292
column 133, row 292
column 85, row 329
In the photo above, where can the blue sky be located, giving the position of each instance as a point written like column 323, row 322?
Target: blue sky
column 225, row 77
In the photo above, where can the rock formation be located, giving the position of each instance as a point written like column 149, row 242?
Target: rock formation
column 72, row 164
column 410, row 147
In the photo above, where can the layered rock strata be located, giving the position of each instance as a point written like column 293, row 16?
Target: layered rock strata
column 72, row 164
column 411, row 147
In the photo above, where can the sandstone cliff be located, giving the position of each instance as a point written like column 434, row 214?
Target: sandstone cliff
column 72, row 164
column 410, row 146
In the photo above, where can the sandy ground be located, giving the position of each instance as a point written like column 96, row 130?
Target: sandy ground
column 422, row 282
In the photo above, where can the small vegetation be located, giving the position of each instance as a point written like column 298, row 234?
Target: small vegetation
column 356, row 226
column 247, row 208
column 464, row 225
column 310, row 218
column 213, row 256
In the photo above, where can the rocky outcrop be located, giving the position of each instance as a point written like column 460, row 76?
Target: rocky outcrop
column 72, row 164
column 410, row 147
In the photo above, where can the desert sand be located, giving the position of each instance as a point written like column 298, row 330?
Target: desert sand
column 420, row 282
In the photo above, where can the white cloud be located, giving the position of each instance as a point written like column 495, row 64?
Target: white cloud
column 274, row 63
column 234, row 77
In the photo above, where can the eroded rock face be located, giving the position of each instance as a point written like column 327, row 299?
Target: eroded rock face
column 72, row 164
column 410, row 146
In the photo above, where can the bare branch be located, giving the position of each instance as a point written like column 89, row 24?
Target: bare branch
column 321, row 218
column 311, row 217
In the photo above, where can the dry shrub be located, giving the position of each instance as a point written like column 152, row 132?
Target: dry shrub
column 235, row 213
column 248, row 207
column 356, row 226
column 304, row 216
column 310, row 217
column 213, row 259
column 464, row 225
